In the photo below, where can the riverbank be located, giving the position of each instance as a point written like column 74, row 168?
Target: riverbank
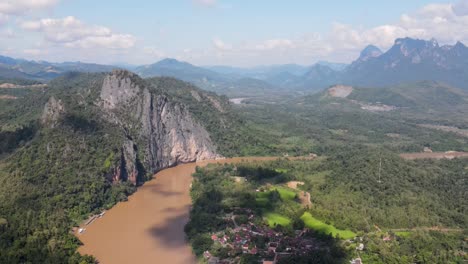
column 149, row 227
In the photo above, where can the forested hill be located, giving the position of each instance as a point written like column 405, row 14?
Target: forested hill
column 82, row 143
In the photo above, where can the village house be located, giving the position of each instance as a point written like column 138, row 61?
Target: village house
column 356, row 261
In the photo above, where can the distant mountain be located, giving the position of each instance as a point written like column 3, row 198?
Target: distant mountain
column 369, row 52
column 7, row 61
column 11, row 68
column 424, row 95
column 283, row 77
column 333, row 65
column 180, row 70
column 319, row 76
column 410, row 60
column 423, row 102
column 226, row 81
column 261, row 72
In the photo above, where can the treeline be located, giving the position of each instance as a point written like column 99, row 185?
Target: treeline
column 406, row 194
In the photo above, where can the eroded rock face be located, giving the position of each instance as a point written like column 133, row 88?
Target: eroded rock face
column 53, row 110
column 172, row 135
column 341, row 91
column 126, row 169
column 164, row 132
column 118, row 88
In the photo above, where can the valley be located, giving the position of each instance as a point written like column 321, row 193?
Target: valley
column 368, row 168
column 150, row 231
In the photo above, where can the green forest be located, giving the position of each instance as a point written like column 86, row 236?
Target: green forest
column 53, row 178
column 347, row 201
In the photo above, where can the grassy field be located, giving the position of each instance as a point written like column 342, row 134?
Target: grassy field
column 403, row 233
column 286, row 193
column 261, row 201
column 274, row 218
column 320, row 226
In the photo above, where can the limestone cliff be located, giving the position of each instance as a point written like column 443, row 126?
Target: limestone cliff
column 163, row 132
column 52, row 112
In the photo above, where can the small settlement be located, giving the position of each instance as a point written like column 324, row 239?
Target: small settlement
column 249, row 238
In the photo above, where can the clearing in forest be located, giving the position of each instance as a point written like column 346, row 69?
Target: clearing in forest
column 315, row 224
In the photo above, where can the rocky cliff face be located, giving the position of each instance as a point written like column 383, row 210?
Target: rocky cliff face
column 161, row 132
column 52, row 112
column 126, row 168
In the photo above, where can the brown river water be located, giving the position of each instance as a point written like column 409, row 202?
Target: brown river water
column 149, row 227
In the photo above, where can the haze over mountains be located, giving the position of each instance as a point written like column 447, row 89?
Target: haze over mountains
column 408, row 60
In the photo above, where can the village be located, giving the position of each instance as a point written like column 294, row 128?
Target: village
column 270, row 244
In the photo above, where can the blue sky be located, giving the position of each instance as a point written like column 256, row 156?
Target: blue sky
column 227, row 32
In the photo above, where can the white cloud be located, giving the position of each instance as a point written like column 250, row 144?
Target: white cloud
column 19, row 7
column 3, row 19
column 73, row 33
column 460, row 8
column 220, row 45
column 206, row 3
column 271, row 44
column 437, row 21
column 446, row 22
column 8, row 33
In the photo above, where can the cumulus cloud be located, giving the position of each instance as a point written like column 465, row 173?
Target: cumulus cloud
column 73, row 33
column 460, row 8
column 447, row 23
column 19, row 7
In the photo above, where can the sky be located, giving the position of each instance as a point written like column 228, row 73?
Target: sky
column 220, row 32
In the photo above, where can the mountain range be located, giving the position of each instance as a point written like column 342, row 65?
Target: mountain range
column 44, row 71
column 408, row 60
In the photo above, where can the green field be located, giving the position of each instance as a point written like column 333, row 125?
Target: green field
column 274, row 218
column 261, row 201
column 285, row 193
column 403, row 233
column 320, row 226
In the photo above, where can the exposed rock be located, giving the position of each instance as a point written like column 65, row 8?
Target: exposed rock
column 196, row 95
column 172, row 135
column 126, row 169
column 8, row 97
column 216, row 104
column 164, row 131
column 17, row 86
column 53, row 110
column 341, row 91
column 130, row 161
column 369, row 52
column 117, row 88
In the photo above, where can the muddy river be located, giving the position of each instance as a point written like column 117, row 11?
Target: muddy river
column 149, row 227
